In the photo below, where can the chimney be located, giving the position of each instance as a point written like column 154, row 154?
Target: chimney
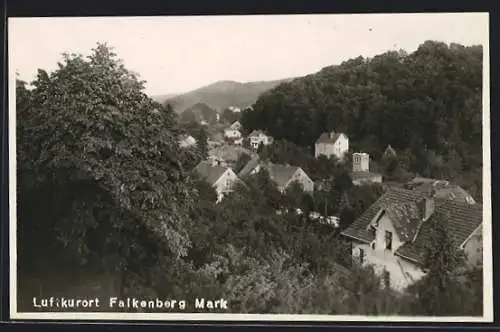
column 426, row 207
column 332, row 133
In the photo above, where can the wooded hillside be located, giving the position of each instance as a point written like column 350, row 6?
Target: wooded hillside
column 427, row 104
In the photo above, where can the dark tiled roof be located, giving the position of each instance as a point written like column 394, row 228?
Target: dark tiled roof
column 328, row 137
column 257, row 132
column 360, row 175
column 252, row 163
column 441, row 189
column 405, row 217
column 359, row 228
column 280, row 174
column 210, row 172
column 461, row 219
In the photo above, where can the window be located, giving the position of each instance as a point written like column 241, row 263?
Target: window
column 387, row 279
column 361, row 256
column 388, row 240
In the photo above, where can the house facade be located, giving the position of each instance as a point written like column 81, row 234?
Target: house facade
column 258, row 137
column 392, row 234
column 221, row 178
column 332, row 144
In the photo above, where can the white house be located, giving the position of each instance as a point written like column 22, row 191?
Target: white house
column 257, row 137
column 221, row 178
column 361, row 170
column 332, row 144
column 393, row 232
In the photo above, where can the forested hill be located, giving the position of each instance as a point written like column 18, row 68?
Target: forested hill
column 427, row 103
column 223, row 94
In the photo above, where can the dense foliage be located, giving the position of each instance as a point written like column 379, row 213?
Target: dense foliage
column 427, row 104
column 98, row 165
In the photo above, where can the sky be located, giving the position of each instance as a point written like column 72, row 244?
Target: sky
column 181, row 53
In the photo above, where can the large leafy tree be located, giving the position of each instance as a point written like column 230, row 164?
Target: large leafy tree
column 100, row 167
column 440, row 291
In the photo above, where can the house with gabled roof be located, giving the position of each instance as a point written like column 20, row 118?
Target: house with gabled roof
column 393, row 233
column 440, row 189
column 389, row 152
column 221, row 178
column 332, row 144
column 282, row 175
column 258, row 137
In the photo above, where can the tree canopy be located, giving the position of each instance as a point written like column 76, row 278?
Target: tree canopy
column 98, row 162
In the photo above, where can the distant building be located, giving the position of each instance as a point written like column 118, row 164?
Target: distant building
column 393, row 232
column 332, row 144
column 440, row 189
column 361, row 170
column 258, row 137
column 186, row 141
column 234, row 109
column 238, row 141
column 232, row 133
column 221, row 178
column 282, row 175
column 389, row 152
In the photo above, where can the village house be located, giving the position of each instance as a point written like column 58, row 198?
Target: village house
column 389, row 152
column 392, row 234
column 332, row 144
column 186, row 141
column 282, row 175
column 231, row 133
column 258, row 137
column 440, row 189
column 221, row 178
column 361, row 170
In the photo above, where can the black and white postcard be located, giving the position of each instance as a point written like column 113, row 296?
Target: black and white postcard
column 331, row 167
